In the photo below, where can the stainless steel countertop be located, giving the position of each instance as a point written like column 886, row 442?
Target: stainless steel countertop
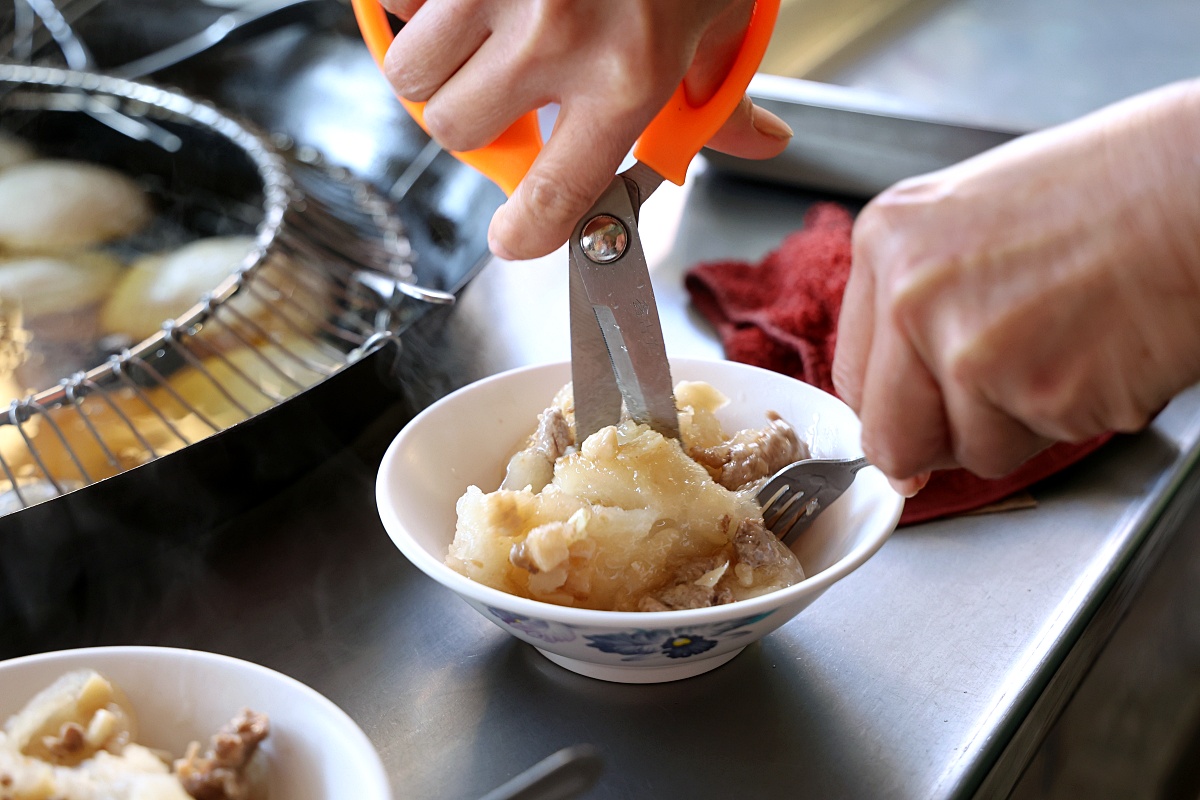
column 913, row 677
column 908, row 678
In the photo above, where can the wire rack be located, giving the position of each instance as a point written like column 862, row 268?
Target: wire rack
column 328, row 280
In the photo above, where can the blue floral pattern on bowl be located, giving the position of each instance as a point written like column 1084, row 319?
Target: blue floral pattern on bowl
column 537, row 628
column 643, row 643
column 638, row 644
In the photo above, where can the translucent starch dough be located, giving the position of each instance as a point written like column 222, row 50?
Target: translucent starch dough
column 632, row 521
column 56, row 206
column 75, row 740
column 56, row 284
column 165, row 285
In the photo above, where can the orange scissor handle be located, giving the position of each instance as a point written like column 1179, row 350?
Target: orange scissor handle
column 669, row 143
column 505, row 160
column 676, row 134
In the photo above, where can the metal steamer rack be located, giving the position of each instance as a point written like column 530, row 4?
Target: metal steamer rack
column 330, row 275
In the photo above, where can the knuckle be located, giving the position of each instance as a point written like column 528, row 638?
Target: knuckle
column 966, row 366
column 553, row 200
column 445, row 125
column 1058, row 411
column 908, row 295
column 867, row 226
column 406, row 80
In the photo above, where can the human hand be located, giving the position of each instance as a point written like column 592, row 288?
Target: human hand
column 609, row 64
column 1048, row 290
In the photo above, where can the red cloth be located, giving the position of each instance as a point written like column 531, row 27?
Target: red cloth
column 782, row 313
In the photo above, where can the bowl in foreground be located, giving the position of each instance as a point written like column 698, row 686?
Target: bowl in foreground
column 314, row 751
column 467, row 438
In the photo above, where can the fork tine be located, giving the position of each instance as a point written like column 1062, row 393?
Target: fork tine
column 795, row 519
column 783, row 502
column 797, row 494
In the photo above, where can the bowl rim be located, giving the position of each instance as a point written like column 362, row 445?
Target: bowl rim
column 586, row 617
column 370, row 766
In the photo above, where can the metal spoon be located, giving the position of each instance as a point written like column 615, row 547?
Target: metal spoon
column 566, row 774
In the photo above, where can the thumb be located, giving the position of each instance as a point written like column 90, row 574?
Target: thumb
column 752, row 132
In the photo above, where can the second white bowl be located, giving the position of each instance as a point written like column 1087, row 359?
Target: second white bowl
column 314, row 751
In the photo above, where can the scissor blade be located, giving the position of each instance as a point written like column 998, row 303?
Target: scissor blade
column 597, row 398
column 622, row 299
column 640, row 181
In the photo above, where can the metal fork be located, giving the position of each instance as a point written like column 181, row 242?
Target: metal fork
column 796, row 494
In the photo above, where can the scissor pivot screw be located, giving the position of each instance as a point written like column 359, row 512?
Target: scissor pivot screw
column 604, row 239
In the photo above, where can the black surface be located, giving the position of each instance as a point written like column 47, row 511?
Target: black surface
column 89, row 567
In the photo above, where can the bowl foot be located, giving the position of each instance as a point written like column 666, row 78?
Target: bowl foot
column 640, row 674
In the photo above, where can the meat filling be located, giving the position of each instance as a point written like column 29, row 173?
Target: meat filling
column 534, row 465
column 752, row 454
column 222, row 772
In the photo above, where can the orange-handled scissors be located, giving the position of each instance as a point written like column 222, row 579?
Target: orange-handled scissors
column 617, row 348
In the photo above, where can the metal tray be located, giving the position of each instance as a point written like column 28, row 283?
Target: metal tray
column 880, row 91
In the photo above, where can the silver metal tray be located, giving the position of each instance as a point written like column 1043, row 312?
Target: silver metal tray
column 920, row 84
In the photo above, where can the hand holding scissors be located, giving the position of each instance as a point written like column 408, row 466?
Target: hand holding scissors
column 609, row 65
column 617, row 349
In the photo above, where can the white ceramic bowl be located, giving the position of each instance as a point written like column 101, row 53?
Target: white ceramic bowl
column 467, row 437
column 314, row 751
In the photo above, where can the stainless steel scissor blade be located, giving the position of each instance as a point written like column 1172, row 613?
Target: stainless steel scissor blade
column 617, row 347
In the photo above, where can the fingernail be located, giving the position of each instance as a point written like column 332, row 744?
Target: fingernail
column 768, row 124
column 908, row 486
column 494, row 244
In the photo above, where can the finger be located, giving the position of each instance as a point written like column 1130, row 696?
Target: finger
column 908, row 487
column 577, row 163
column 484, row 97
column 717, row 50
column 404, row 9
column 431, row 48
column 905, row 431
column 855, row 331
column 984, row 438
column 752, row 132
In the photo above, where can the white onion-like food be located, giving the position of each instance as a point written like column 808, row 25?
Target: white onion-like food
column 163, row 286
column 57, row 206
column 55, row 284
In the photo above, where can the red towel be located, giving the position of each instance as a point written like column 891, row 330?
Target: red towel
column 782, row 314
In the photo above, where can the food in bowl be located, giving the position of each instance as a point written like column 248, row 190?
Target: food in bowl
column 630, row 520
column 75, row 740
